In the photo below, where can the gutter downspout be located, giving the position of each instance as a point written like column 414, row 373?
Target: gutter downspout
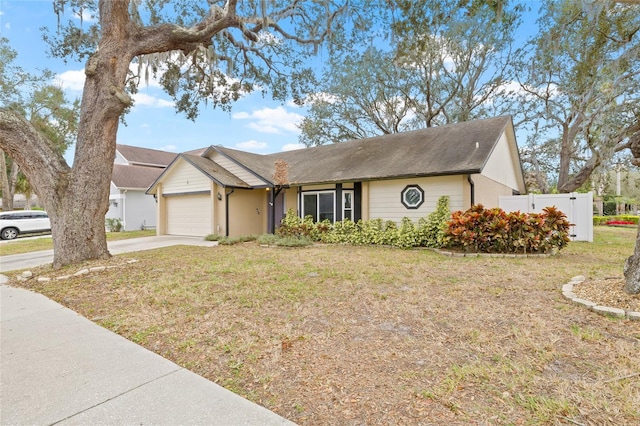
column 473, row 190
column 226, row 211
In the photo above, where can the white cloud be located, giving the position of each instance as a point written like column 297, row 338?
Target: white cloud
column 240, row 115
column 271, row 120
column 252, row 145
column 292, row 146
column 142, row 99
column 7, row 26
column 325, row 97
column 168, row 148
column 86, row 16
column 71, row 80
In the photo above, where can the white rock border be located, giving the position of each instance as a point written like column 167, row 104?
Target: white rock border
column 27, row 275
column 567, row 292
column 474, row 254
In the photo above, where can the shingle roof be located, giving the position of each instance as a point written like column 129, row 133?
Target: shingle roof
column 444, row 150
column 145, row 156
column 215, row 171
column 134, row 177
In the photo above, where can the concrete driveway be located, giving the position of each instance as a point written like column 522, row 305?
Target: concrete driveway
column 38, row 258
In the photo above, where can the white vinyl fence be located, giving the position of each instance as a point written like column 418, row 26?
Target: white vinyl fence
column 577, row 207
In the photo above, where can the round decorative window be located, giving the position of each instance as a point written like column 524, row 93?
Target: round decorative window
column 412, row 196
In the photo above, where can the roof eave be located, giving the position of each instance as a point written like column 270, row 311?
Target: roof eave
column 388, row 177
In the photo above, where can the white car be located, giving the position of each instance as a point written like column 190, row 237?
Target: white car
column 20, row 222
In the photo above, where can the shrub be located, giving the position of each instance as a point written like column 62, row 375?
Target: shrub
column 294, row 241
column 213, row 237
column 294, row 226
column 431, row 229
column 628, row 219
column 267, row 239
column 229, row 241
column 113, row 225
column 494, row 231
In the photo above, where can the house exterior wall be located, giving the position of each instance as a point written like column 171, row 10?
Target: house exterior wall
column 183, row 178
column 291, row 200
column 115, row 211
column 501, row 165
column 139, row 210
column 385, row 197
column 247, row 212
column 161, row 211
column 119, row 159
column 237, row 170
column 219, row 211
column 488, row 191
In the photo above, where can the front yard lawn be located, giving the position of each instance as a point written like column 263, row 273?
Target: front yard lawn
column 334, row 334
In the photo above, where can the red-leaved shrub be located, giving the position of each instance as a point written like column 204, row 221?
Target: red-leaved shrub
column 494, row 231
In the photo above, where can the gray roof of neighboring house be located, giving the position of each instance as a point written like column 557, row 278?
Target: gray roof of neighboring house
column 134, row 177
column 444, row 150
column 145, row 156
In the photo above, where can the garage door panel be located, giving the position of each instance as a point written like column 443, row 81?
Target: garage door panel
column 189, row 215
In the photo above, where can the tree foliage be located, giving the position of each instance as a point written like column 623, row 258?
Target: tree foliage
column 44, row 105
column 582, row 80
column 201, row 50
column 447, row 62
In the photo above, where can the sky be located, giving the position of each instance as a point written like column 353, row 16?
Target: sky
column 255, row 124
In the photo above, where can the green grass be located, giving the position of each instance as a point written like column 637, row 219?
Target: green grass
column 20, row 245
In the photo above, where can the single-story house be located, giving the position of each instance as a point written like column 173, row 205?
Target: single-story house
column 230, row 192
column 134, row 169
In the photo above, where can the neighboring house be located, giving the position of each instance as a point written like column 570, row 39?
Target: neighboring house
column 231, row 192
column 134, row 170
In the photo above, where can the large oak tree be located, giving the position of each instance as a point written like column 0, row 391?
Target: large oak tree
column 211, row 50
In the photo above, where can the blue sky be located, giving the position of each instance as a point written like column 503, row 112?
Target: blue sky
column 256, row 123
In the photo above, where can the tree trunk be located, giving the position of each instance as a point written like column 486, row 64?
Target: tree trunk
column 8, row 182
column 632, row 269
column 77, row 199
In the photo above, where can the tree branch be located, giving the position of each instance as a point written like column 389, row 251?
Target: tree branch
column 31, row 150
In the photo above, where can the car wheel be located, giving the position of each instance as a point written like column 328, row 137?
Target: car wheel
column 9, row 233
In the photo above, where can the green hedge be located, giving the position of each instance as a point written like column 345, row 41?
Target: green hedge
column 428, row 232
column 602, row 220
column 477, row 229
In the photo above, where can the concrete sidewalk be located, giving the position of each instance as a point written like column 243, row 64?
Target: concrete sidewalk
column 57, row 367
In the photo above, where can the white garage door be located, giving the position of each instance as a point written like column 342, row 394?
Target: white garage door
column 189, row 215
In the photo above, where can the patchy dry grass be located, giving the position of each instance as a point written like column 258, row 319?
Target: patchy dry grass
column 372, row 335
column 28, row 245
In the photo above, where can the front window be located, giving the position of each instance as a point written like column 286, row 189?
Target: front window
column 347, row 205
column 319, row 205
